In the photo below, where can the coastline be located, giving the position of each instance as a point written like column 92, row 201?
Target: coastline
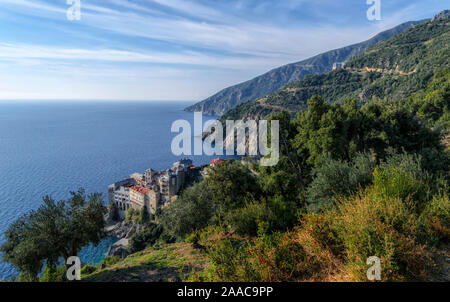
column 55, row 165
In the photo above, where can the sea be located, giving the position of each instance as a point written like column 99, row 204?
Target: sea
column 53, row 148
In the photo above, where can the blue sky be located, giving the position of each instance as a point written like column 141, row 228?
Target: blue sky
column 173, row 49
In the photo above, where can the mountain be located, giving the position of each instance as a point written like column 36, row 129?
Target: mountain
column 271, row 81
column 392, row 69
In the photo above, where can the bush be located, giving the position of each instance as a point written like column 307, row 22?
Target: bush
column 88, row 269
column 231, row 184
column 145, row 238
column 192, row 238
column 108, row 261
column 27, row 277
column 130, row 214
column 113, row 212
column 230, row 263
column 245, row 220
column 384, row 227
column 54, row 274
column 293, row 256
column 192, row 211
column 335, row 244
column 435, row 220
column 402, row 177
column 144, row 216
column 338, row 178
column 228, row 260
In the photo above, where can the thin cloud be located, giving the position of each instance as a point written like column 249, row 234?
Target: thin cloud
column 19, row 52
column 239, row 37
column 201, row 45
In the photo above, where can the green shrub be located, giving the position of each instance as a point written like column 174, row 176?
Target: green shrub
column 245, row 220
column 402, row 177
column 145, row 238
column 192, row 238
column 338, row 178
column 231, row 183
column 230, row 263
column 27, row 277
column 435, row 220
column 88, row 269
column 192, row 211
column 144, row 216
column 384, row 227
column 439, row 207
column 108, row 261
column 54, row 274
column 130, row 214
column 113, row 211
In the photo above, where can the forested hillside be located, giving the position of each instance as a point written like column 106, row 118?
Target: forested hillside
column 352, row 182
column 363, row 172
column 392, row 70
column 269, row 82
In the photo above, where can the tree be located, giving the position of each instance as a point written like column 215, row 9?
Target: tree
column 289, row 160
column 192, row 211
column 145, row 238
column 283, row 185
column 54, row 230
column 390, row 125
column 54, row 274
column 129, row 215
column 144, row 216
column 113, row 212
column 338, row 178
column 232, row 183
column 329, row 129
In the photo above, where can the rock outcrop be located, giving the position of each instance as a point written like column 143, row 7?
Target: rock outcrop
column 120, row 249
column 124, row 231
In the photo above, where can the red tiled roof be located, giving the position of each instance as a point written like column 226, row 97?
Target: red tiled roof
column 140, row 189
column 216, row 161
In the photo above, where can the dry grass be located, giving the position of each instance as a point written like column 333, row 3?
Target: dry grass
column 173, row 262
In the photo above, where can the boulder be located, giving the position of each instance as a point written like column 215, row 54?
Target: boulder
column 120, row 248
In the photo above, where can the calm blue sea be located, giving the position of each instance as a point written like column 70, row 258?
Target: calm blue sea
column 54, row 148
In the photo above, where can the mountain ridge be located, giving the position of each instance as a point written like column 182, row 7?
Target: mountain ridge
column 392, row 69
column 276, row 78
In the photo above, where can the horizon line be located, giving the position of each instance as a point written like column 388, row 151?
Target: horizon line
column 56, row 100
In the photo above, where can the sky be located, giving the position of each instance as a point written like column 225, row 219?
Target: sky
column 173, row 49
